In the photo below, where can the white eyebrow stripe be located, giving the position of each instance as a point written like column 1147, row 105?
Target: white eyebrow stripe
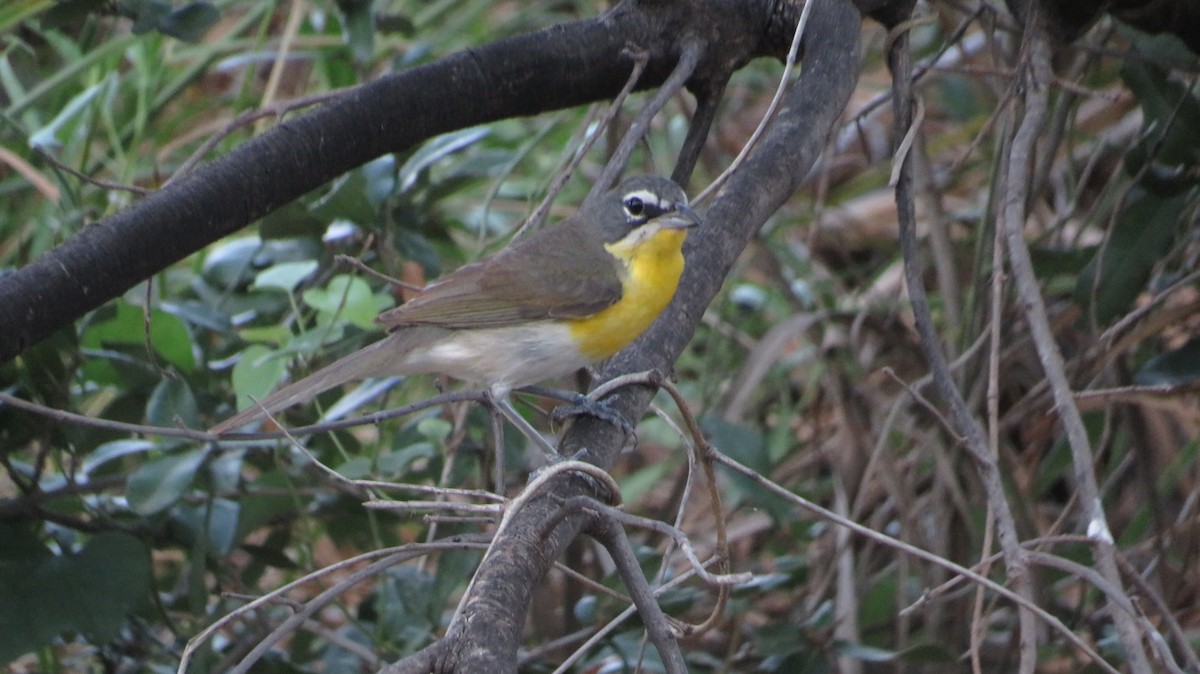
column 646, row 196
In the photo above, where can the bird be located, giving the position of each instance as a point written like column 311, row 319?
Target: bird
column 548, row 304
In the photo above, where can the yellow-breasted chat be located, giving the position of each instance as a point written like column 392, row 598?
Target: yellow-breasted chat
column 563, row 298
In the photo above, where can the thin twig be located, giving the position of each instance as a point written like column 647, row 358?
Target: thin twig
column 540, row 480
column 362, row 267
column 538, row 217
column 909, row 549
column 392, row 556
column 612, row 537
column 964, row 423
column 690, row 54
column 776, row 100
column 277, row 110
column 1014, row 200
column 98, row 182
column 617, row 621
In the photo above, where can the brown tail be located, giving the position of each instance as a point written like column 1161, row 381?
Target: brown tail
column 382, row 358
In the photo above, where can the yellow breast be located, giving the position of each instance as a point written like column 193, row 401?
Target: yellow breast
column 653, row 261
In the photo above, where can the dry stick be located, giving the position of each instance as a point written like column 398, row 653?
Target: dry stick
column 604, row 528
column 540, row 652
column 701, row 446
column 540, row 480
column 83, row 177
column 699, row 451
column 76, row 419
column 1108, row 348
column 689, row 58
column 491, row 509
column 295, row 15
column 362, row 267
column 909, row 549
column 366, row 419
column 776, row 100
column 965, row 425
column 497, row 422
column 708, row 99
column 1182, row 641
column 993, row 415
column 276, row 110
column 1088, row 574
column 392, row 555
column 312, row 606
column 674, row 533
column 1035, row 71
column 721, row 552
column 480, row 494
column 885, row 431
column 40, row 182
column 617, row 621
column 1113, row 339
column 534, row 221
column 1116, row 595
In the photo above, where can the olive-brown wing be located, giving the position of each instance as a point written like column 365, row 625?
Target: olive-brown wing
column 561, row 272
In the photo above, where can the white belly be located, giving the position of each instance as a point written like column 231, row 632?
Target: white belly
column 503, row 358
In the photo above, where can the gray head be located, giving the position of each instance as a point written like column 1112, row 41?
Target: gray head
column 638, row 201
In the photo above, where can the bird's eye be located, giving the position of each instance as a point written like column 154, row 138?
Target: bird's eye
column 635, row 207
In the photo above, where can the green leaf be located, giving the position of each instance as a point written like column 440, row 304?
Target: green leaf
column 867, row 653
column 215, row 520
column 236, row 261
column 1173, row 368
column 393, row 464
column 345, row 296
column 43, row 595
column 1171, row 123
column 356, row 468
column 257, row 373
column 51, row 135
column 1145, row 232
column 436, row 149
column 190, row 22
column 270, row 334
column 435, row 429
column 358, row 22
column 13, row 12
column 267, row 500
column 146, row 14
column 111, row 451
column 172, row 399
column 169, row 337
column 641, row 482
column 157, row 485
column 285, row 276
column 739, row 441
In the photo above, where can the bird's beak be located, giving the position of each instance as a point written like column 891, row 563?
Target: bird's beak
column 683, row 217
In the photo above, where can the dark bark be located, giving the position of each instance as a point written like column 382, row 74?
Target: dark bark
column 486, row 637
column 559, row 67
column 1066, row 20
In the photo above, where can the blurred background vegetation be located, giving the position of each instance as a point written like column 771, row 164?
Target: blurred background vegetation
column 116, row 549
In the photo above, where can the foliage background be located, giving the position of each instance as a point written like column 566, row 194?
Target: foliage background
column 803, row 370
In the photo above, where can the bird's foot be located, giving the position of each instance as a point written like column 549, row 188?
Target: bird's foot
column 600, row 409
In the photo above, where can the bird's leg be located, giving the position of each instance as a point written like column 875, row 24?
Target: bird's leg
column 500, row 402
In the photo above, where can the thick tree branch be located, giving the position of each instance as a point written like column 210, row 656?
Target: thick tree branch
column 559, row 67
column 487, row 633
